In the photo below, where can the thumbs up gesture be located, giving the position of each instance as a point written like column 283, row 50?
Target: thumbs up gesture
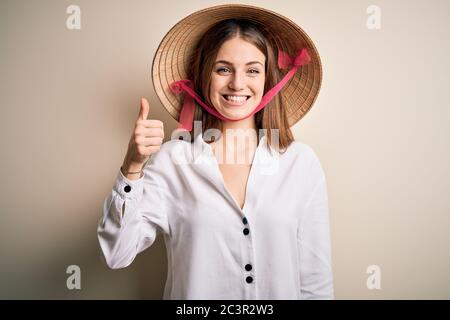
column 146, row 139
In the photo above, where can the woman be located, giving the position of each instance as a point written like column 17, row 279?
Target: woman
column 240, row 220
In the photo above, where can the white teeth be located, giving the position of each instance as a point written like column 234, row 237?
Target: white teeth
column 236, row 98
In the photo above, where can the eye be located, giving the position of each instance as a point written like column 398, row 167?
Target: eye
column 253, row 71
column 222, row 70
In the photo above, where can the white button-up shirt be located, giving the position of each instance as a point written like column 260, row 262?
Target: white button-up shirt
column 276, row 247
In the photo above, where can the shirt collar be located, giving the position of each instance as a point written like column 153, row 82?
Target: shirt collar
column 266, row 160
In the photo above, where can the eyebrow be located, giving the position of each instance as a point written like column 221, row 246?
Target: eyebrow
column 229, row 63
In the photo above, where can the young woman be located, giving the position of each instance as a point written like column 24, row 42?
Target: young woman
column 241, row 220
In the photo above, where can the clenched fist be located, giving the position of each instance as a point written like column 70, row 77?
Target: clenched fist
column 146, row 140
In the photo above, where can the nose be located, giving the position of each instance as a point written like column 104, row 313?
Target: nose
column 237, row 82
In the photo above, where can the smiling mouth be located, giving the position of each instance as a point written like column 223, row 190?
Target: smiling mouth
column 235, row 100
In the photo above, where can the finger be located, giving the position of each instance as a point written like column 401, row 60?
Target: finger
column 153, row 141
column 150, row 123
column 144, row 110
column 150, row 149
column 150, row 132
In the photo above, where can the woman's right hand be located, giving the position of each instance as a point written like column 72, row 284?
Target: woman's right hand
column 146, row 139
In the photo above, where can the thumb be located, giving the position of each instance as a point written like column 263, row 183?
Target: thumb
column 145, row 108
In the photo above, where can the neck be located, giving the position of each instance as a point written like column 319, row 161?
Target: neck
column 234, row 126
column 239, row 139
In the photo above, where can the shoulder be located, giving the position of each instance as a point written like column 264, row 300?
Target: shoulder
column 301, row 154
column 163, row 165
column 298, row 149
column 172, row 152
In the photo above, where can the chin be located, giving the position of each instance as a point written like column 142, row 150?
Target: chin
column 236, row 114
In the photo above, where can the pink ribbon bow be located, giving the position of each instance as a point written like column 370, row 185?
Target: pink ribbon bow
column 187, row 112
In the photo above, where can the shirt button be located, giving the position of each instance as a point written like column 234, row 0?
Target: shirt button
column 244, row 220
column 249, row 279
column 127, row 188
column 248, row 267
column 246, row 231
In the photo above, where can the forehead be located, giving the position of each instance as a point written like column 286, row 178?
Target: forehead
column 238, row 51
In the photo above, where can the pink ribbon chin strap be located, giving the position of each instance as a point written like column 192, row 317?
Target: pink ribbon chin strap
column 187, row 111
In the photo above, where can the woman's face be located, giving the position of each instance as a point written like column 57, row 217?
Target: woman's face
column 237, row 79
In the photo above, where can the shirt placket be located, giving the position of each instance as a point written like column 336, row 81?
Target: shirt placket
column 246, row 232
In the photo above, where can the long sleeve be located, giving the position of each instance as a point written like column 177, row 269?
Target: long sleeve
column 314, row 243
column 133, row 214
column 277, row 246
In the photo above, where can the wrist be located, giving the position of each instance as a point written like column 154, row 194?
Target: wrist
column 130, row 166
column 133, row 170
column 132, row 175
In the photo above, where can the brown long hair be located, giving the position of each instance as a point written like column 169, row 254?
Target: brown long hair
column 273, row 115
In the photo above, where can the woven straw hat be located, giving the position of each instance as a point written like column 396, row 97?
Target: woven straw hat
column 171, row 61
